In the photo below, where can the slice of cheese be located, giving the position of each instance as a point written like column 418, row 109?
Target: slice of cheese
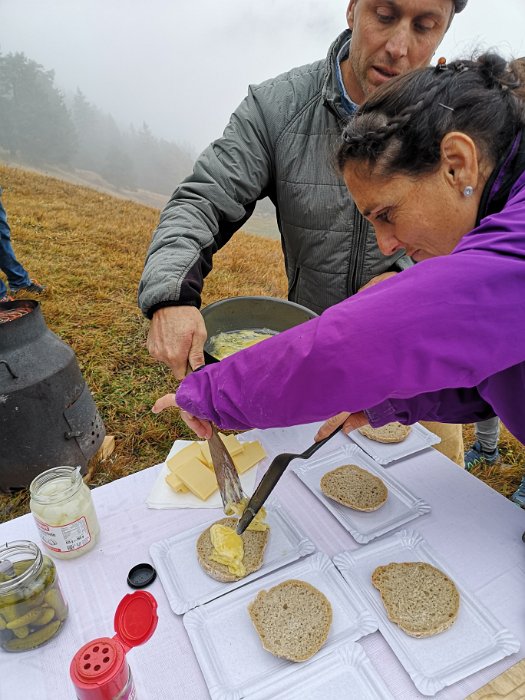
column 191, row 451
column 233, row 446
column 197, row 478
column 252, row 453
column 205, row 455
column 175, row 483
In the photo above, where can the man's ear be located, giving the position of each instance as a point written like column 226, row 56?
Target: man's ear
column 459, row 158
column 350, row 13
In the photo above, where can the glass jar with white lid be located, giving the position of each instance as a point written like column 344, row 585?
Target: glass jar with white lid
column 63, row 509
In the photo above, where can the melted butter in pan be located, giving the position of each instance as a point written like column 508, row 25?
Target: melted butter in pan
column 227, row 343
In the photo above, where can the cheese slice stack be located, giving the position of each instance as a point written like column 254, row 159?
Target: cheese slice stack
column 191, row 469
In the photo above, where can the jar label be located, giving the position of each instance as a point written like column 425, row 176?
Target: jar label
column 65, row 538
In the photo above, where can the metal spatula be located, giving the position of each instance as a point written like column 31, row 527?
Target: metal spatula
column 272, row 476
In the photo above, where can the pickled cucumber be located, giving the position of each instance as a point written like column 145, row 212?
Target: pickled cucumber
column 53, row 597
column 20, row 566
column 34, row 612
column 46, row 615
column 9, row 612
column 35, row 639
column 26, row 619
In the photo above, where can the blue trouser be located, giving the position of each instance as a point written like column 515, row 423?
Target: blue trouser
column 487, row 432
column 15, row 273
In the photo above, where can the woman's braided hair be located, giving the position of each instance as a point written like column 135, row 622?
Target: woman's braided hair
column 399, row 128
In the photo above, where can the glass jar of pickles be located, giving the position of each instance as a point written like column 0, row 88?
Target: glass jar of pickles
column 32, row 607
column 63, row 509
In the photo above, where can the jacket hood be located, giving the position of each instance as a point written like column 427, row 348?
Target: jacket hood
column 501, row 181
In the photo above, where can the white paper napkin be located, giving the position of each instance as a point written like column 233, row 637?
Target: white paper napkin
column 163, row 496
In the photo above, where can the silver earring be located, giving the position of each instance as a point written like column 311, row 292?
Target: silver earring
column 468, row 191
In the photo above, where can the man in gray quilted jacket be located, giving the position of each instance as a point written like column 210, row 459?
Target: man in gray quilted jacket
column 279, row 143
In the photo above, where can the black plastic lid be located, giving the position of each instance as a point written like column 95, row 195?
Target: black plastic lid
column 141, row 575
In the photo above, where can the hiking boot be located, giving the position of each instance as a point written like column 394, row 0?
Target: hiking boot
column 6, row 298
column 34, row 287
column 477, row 456
column 518, row 496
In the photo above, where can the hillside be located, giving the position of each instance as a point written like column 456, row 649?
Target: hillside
column 88, row 248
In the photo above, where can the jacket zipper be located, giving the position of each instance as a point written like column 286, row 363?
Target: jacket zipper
column 356, row 268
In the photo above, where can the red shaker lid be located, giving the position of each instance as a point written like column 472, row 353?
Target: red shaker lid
column 135, row 619
column 99, row 669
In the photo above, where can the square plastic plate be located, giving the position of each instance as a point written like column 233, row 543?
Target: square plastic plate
column 385, row 453
column 184, row 581
column 401, row 505
column 475, row 640
column 229, row 650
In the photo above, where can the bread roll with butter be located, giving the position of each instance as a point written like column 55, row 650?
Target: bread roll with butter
column 292, row 619
column 419, row 598
column 254, row 543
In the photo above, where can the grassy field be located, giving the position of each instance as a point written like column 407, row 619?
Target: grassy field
column 89, row 248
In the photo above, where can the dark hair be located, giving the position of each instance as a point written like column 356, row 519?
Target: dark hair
column 399, row 128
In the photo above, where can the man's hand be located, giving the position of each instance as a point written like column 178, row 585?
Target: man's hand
column 376, row 279
column 176, row 337
column 201, row 427
column 350, row 421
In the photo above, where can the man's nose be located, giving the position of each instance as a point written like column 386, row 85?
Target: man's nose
column 387, row 243
column 398, row 42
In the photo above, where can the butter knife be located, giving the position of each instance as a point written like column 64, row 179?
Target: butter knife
column 225, row 471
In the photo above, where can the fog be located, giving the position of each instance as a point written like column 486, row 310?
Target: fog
column 182, row 67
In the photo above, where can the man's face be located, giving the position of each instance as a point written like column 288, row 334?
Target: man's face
column 390, row 37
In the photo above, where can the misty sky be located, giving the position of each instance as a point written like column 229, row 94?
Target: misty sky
column 183, row 66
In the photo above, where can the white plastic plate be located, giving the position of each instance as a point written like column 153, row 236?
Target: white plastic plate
column 229, row 650
column 400, row 508
column 344, row 672
column 475, row 640
column 184, row 581
column 385, row 453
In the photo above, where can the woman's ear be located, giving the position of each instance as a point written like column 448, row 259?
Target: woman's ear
column 459, row 158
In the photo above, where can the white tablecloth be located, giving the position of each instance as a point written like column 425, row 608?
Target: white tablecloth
column 472, row 527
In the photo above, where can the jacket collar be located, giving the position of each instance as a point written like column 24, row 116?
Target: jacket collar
column 331, row 92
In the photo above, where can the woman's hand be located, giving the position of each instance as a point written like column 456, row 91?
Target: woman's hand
column 350, row 421
column 201, row 427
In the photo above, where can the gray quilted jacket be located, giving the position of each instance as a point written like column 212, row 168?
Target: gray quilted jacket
column 279, row 143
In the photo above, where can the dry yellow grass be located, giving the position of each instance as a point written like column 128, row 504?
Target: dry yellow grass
column 89, row 248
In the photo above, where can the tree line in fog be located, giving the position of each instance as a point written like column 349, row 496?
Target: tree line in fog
column 41, row 126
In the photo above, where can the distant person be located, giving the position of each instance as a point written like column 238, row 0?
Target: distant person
column 518, row 497
column 436, row 160
column 279, row 144
column 17, row 276
column 484, row 452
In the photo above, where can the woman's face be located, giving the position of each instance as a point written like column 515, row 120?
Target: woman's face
column 427, row 215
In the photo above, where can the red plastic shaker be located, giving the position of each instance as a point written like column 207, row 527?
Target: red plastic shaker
column 99, row 669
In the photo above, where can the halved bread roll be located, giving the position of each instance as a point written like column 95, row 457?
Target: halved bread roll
column 419, row 598
column 354, row 487
column 391, row 432
column 292, row 619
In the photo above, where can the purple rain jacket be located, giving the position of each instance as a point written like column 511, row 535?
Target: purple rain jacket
column 441, row 341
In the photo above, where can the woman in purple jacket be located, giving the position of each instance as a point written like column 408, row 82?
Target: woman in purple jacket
column 436, row 161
